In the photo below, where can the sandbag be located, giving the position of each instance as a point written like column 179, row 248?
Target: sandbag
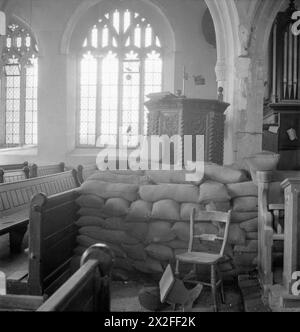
column 239, row 217
column 127, row 172
column 115, row 237
column 116, row 207
column 177, row 244
column 236, row 235
column 137, row 230
column 135, row 251
column 224, row 174
column 244, row 259
column 108, row 190
column 113, row 223
column 92, row 213
column 242, row 189
column 213, row 191
column 123, row 264
column 90, row 221
column 250, row 225
column 90, row 201
column 186, row 209
column 79, row 250
column 160, row 252
column 182, row 193
column 252, row 236
column 86, row 241
column 160, row 231
column 139, row 211
column 166, row 210
column 245, row 204
column 176, row 177
column 150, row 265
column 182, row 230
column 111, row 177
column 251, row 246
column 218, row 206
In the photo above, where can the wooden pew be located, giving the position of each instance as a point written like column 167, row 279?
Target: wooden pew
column 270, row 212
column 52, row 238
column 89, row 288
column 85, row 171
column 38, row 171
column 86, row 290
column 13, row 173
column 15, row 201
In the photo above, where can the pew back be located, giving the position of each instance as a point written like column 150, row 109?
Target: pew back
column 52, row 238
column 13, row 167
column 38, row 171
column 7, row 176
column 16, row 196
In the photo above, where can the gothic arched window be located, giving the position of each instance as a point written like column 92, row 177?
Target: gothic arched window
column 18, row 122
column 120, row 64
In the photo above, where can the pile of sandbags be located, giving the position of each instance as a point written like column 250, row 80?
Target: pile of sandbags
column 144, row 217
column 245, row 213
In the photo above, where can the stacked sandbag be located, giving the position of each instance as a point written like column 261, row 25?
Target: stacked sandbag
column 105, row 201
column 245, row 214
column 145, row 217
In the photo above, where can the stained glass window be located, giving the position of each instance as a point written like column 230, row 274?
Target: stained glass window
column 20, row 83
column 121, row 63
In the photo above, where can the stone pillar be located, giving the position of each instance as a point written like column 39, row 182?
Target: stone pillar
column 52, row 101
column 249, row 94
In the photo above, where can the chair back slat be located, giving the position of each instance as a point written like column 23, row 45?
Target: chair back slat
column 213, row 217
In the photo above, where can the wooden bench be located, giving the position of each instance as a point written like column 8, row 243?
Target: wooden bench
column 38, row 171
column 88, row 289
column 85, row 171
column 52, row 239
column 270, row 219
column 15, row 172
column 15, row 201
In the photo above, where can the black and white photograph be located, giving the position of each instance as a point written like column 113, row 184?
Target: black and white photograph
column 150, row 159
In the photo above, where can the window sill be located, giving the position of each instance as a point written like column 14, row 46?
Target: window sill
column 24, row 150
column 90, row 152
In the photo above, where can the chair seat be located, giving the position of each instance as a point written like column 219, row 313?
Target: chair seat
column 199, row 258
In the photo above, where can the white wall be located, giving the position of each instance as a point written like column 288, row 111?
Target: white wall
column 57, row 98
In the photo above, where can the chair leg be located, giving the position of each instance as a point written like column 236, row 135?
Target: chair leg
column 177, row 268
column 222, row 293
column 214, row 287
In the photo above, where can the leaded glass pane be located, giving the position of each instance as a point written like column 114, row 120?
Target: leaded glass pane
column 112, row 106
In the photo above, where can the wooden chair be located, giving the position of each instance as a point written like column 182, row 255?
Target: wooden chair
column 204, row 258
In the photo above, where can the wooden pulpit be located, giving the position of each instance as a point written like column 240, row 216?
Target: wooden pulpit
column 171, row 115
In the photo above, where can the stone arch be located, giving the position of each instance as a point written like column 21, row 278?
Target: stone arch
column 226, row 21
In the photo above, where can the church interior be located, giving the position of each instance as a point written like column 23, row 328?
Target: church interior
column 150, row 155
